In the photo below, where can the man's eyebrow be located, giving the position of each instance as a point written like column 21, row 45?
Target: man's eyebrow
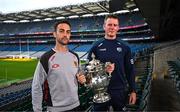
column 61, row 29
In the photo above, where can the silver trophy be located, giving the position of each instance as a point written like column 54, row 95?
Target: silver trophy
column 98, row 80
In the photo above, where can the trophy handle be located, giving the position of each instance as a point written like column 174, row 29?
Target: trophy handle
column 107, row 64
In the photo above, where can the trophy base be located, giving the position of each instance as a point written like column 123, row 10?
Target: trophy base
column 101, row 98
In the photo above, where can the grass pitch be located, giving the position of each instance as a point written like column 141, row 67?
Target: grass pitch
column 12, row 70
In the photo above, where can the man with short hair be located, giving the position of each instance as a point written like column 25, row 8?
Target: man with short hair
column 110, row 49
column 56, row 76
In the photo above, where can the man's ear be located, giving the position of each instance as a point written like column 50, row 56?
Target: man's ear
column 118, row 28
column 104, row 26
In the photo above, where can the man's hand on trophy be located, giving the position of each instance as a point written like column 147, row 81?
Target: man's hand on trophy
column 81, row 78
column 109, row 67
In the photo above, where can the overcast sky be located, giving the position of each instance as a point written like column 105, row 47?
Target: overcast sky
column 8, row 6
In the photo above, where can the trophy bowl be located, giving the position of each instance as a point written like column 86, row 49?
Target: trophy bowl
column 98, row 80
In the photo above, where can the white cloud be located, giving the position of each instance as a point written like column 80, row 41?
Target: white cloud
column 8, row 6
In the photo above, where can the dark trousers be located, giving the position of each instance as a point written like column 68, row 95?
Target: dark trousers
column 118, row 102
column 101, row 106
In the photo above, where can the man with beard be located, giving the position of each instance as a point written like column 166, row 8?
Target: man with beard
column 56, row 76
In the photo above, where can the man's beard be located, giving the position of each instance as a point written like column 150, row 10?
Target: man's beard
column 60, row 41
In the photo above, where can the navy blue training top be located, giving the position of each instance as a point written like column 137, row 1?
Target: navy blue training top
column 115, row 51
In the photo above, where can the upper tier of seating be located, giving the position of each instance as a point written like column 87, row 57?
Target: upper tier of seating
column 78, row 24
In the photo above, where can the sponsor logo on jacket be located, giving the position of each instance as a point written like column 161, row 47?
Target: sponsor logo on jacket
column 55, row 66
column 104, row 49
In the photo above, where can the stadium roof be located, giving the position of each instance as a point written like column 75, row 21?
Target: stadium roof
column 92, row 8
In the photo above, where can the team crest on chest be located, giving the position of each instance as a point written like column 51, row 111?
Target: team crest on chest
column 119, row 49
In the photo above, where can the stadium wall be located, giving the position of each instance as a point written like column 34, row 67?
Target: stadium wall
column 163, row 53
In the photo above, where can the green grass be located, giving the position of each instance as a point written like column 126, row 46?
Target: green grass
column 11, row 71
column 14, row 71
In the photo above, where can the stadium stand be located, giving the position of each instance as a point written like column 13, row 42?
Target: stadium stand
column 35, row 37
column 174, row 72
column 30, row 39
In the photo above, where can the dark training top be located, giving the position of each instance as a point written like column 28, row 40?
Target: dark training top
column 115, row 51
